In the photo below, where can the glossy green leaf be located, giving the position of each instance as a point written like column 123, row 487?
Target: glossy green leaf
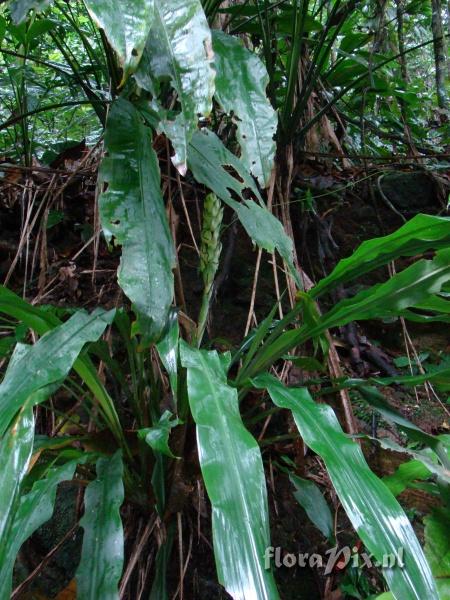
column 421, row 233
column 407, row 473
column 20, row 8
column 126, row 24
column 233, row 472
column 241, row 82
column 102, row 554
column 16, row 448
column 37, row 318
column 48, row 361
column 437, row 548
column 179, row 49
column 431, row 310
column 158, row 437
column 407, row 288
column 207, row 160
column 41, row 321
column 132, row 211
column 311, row 499
column 375, row 514
column 34, row 509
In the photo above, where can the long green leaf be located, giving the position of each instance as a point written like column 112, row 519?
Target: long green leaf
column 102, row 556
column 42, row 321
column 34, row 510
column 179, row 49
column 20, row 8
column 374, row 512
column 126, row 24
column 132, row 210
column 15, row 453
column 48, row 361
column 234, row 477
column 207, row 160
column 405, row 289
column 421, row 233
column 241, row 82
column 425, row 456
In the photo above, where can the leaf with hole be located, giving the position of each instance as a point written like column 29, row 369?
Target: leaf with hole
column 132, row 211
column 208, row 160
column 241, row 82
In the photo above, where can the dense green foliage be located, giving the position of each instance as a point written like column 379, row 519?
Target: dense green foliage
column 272, row 79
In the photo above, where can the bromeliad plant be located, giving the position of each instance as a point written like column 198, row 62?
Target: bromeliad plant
column 132, row 443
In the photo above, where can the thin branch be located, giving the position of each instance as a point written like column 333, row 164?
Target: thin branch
column 18, row 118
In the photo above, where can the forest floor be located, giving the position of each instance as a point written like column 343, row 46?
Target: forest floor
column 52, row 252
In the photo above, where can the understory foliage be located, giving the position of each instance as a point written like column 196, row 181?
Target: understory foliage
column 235, row 91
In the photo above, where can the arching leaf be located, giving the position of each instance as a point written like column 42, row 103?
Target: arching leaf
column 48, row 361
column 42, row 321
column 376, row 515
column 421, row 233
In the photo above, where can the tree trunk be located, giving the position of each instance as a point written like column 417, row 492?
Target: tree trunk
column 440, row 54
